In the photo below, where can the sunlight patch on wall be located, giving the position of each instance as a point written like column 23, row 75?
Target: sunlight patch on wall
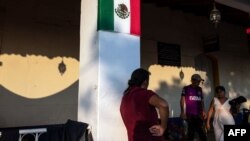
column 36, row 76
column 171, row 75
column 246, row 104
column 167, row 82
column 232, row 93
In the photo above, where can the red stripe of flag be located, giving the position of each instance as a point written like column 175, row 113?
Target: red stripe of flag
column 135, row 24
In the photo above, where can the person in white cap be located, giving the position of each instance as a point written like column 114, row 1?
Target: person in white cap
column 192, row 108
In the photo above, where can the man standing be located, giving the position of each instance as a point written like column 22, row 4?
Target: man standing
column 138, row 109
column 192, row 108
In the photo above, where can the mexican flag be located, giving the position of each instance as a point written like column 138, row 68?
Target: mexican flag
column 119, row 16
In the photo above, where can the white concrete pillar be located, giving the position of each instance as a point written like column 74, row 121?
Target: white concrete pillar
column 107, row 60
column 88, row 78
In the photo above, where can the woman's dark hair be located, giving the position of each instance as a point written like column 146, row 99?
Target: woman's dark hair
column 218, row 88
column 138, row 77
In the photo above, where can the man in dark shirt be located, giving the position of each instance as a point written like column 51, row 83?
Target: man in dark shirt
column 192, row 108
column 138, row 109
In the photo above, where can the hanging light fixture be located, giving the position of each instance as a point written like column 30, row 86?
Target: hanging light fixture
column 215, row 15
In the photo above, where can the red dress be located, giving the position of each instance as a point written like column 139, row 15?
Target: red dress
column 138, row 115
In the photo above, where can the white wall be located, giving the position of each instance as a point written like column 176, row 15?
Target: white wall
column 107, row 60
column 119, row 56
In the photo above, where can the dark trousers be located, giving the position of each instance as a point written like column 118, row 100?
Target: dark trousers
column 195, row 124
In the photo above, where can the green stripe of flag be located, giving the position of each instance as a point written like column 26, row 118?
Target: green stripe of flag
column 106, row 15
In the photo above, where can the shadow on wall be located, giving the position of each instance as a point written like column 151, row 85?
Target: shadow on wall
column 33, row 43
column 172, row 94
column 19, row 111
column 43, row 27
column 168, row 83
column 238, row 85
column 85, row 101
column 113, row 76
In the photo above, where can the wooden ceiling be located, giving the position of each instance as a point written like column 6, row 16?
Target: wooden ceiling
column 203, row 8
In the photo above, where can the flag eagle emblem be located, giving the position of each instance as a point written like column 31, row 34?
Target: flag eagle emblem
column 122, row 11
